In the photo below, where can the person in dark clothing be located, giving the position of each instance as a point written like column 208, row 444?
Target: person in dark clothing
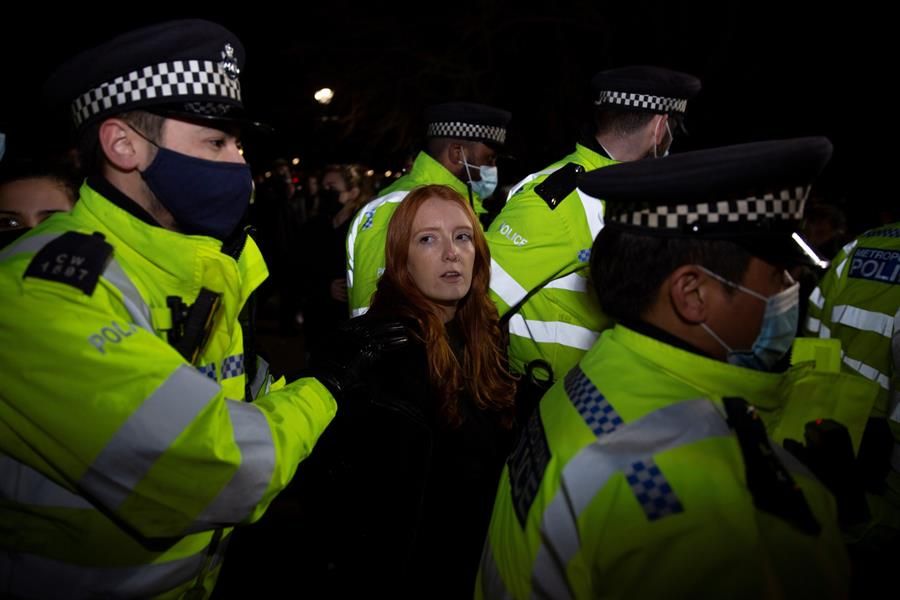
column 407, row 474
column 322, row 259
column 277, row 214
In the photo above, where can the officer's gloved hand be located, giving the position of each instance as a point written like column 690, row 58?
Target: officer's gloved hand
column 828, row 453
column 357, row 347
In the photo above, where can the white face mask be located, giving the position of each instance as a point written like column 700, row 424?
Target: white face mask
column 489, row 177
column 776, row 333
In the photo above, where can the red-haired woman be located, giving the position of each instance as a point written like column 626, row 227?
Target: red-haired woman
column 413, row 459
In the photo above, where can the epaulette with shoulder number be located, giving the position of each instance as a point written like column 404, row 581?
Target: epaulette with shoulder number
column 74, row 258
column 559, row 184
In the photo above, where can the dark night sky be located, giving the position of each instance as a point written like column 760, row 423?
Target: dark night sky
column 767, row 73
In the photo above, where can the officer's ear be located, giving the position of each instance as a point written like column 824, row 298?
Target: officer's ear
column 659, row 129
column 689, row 294
column 455, row 153
column 122, row 146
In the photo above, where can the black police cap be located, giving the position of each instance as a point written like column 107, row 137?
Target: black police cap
column 186, row 68
column 751, row 194
column 645, row 88
column 467, row 121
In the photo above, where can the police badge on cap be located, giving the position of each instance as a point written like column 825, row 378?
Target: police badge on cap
column 186, row 68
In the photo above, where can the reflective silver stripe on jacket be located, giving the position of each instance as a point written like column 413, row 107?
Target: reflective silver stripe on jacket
column 491, row 583
column 31, row 244
column 30, row 576
column 131, row 298
column 504, row 285
column 572, row 282
column 593, row 212
column 816, row 298
column 251, row 480
column 553, row 332
column 863, row 320
column 147, row 434
column 21, row 484
column 867, row 371
column 528, row 179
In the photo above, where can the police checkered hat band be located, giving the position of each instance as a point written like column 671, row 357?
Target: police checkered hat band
column 657, row 104
column 171, row 81
column 187, row 68
column 749, row 194
column 784, row 206
column 467, row 131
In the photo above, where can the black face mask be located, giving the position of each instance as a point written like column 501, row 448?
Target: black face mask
column 329, row 202
column 9, row 236
column 206, row 197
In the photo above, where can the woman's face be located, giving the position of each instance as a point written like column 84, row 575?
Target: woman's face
column 441, row 253
column 27, row 202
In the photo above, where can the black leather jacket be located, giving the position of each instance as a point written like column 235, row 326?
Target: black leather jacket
column 402, row 501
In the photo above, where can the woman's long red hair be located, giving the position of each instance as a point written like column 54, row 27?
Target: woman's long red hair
column 483, row 370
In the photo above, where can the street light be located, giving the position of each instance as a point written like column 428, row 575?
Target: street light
column 324, row 96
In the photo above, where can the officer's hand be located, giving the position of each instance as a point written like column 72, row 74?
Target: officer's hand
column 828, row 453
column 356, row 349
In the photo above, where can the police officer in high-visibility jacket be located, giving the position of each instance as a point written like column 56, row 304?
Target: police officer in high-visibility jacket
column 647, row 472
column 460, row 152
column 541, row 240
column 858, row 302
column 127, row 449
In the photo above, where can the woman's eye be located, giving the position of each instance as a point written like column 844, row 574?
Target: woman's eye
column 9, row 223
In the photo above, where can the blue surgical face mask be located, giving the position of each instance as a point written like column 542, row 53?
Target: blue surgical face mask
column 489, row 178
column 777, row 332
column 205, row 197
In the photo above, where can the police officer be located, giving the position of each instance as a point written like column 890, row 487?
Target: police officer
column 540, row 242
column 645, row 473
column 127, row 450
column 858, row 302
column 460, row 152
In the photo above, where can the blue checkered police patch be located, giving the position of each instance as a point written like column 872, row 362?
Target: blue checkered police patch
column 233, row 366
column 597, row 412
column 651, row 489
column 208, row 370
